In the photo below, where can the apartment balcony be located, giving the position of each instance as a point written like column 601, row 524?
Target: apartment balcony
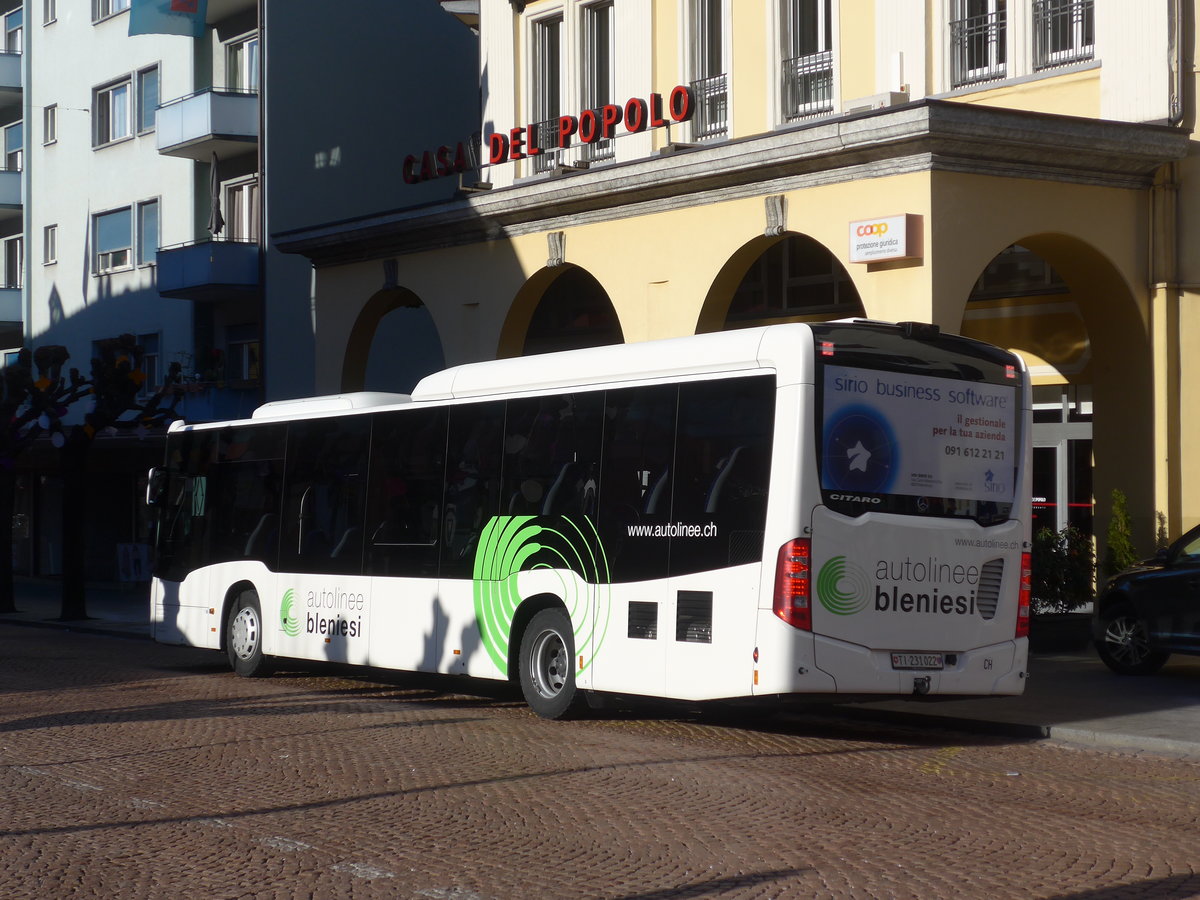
column 215, row 401
column 210, row 271
column 10, row 304
column 11, row 194
column 11, row 82
column 211, row 121
column 220, row 10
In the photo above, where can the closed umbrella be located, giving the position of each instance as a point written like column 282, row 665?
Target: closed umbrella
column 216, row 221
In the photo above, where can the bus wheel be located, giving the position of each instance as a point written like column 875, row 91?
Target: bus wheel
column 243, row 637
column 548, row 664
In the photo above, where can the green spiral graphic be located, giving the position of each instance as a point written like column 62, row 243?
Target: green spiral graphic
column 842, row 587
column 510, row 545
column 291, row 624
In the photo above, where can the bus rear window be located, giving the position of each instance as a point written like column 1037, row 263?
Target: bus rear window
column 919, row 428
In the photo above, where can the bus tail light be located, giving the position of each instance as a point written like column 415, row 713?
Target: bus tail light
column 793, row 584
column 1024, row 594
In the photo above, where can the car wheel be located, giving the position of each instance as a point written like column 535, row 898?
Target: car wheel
column 1125, row 645
column 243, row 637
column 547, row 667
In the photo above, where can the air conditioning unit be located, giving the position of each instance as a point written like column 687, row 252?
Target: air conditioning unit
column 875, row 101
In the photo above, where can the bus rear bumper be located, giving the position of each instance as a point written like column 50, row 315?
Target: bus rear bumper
column 996, row 669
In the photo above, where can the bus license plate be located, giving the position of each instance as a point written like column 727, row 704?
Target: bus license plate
column 918, row 661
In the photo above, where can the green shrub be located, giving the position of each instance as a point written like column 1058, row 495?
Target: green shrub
column 1064, row 570
column 1119, row 554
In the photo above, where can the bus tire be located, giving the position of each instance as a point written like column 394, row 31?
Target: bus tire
column 243, row 637
column 547, row 664
column 1124, row 645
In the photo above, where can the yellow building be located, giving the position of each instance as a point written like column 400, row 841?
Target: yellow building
column 1021, row 172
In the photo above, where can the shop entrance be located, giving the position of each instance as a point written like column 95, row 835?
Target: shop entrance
column 1062, row 457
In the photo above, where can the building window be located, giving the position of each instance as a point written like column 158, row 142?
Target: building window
column 241, row 59
column 112, row 236
column 147, row 81
column 795, row 277
column 49, row 11
column 241, row 358
column 14, row 262
column 242, row 213
column 709, row 80
column 14, row 146
column 50, row 244
column 14, row 31
column 1064, row 31
column 547, row 87
column 599, row 79
column 102, row 9
column 50, row 124
column 150, row 364
column 978, row 41
column 807, row 77
column 1017, row 271
column 147, row 232
column 110, row 112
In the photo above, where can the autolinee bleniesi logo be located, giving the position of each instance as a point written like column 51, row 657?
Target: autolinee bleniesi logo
column 842, row 587
column 291, row 624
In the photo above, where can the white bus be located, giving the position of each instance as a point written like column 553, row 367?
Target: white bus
column 830, row 509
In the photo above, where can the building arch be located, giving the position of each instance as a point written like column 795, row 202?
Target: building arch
column 392, row 344
column 791, row 277
column 1084, row 310
column 559, row 308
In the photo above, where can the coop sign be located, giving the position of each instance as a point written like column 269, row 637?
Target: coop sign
column 886, row 238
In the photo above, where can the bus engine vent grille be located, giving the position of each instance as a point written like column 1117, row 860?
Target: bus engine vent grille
column 991, row 573
column 693, row 617
column 643, row 620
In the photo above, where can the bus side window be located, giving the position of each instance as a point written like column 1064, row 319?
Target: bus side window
column 404, row 501
column 723, row 461
column 474, row 451
column 635, row 482
column 325, row 490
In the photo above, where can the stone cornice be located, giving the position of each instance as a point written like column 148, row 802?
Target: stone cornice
column 930, row 135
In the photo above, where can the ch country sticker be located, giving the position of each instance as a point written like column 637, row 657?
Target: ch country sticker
column 842, row 587
column 291, row 624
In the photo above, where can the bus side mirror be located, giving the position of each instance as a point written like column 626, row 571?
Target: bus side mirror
column 156, row 486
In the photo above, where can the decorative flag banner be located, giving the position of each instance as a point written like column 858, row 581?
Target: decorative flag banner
column 167, row 17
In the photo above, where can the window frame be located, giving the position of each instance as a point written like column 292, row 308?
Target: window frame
column 19, row 152
column 98, row 255
column 49, row 245
column 49, row 11
column 102, row 10
column 17, row 241
column 104, row 98
column 547, row 84
column 241, row 75
column 139, row 232
column 140, row 103
column 598, row 61
column 14, row 34
column 49, row 124
column 806, row 72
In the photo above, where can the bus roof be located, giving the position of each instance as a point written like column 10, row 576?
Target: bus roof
column 769, row 346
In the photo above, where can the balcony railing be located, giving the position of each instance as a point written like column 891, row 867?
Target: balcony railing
column 711, row 120
column 209, row 270
column 978, row 49
column 216, row 401
column 808, row 85
column 546, row 136
column 10, row 304
column 1064, row 32
column 224, row 122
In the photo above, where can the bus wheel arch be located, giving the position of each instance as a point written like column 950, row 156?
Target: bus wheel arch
column 242, row 631
column 541, row 653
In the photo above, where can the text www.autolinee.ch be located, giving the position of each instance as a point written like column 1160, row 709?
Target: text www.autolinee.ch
column 673, row 530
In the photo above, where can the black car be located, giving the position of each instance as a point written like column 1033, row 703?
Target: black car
column 1152, row 610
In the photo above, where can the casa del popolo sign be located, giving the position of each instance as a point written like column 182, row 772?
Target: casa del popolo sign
column 588, row 127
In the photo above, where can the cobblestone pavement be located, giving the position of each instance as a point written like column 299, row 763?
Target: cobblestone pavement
column 133, row 770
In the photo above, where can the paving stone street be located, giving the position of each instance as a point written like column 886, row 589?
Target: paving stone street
column 135, row 770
